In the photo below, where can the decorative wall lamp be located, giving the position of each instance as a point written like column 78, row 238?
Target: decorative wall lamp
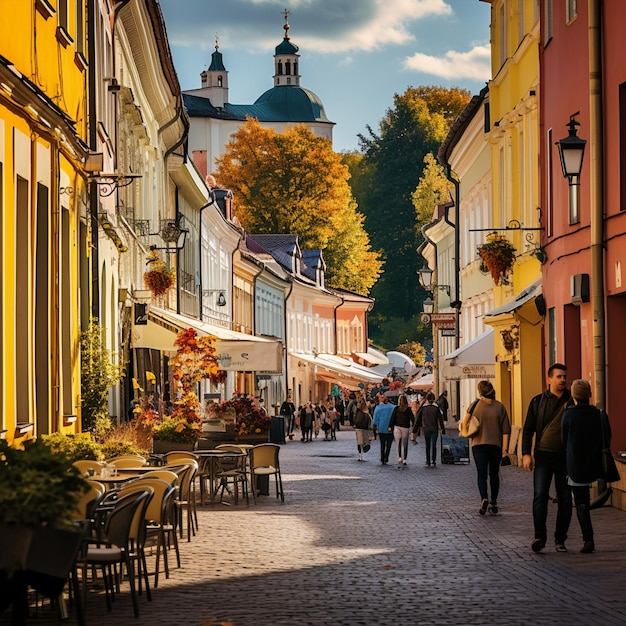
column 428, row 305
column 172, row 233
column 571, row 152
column 425, row 275
column 221, row 298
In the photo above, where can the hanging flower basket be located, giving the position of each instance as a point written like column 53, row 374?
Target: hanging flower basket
column 497, row 256
column 158, row 277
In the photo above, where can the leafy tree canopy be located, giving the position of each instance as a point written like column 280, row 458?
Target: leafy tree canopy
column 433, row 190
column 294, row 183
column 393, row 159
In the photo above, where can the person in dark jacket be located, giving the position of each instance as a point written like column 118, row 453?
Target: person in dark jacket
column 442, row 403
column 362, row 427
column 543, row 422
column 581, row 433
column 288, row 411
column 431, row 420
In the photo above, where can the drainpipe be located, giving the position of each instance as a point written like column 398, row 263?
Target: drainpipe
column 596, row 146
column 456, row 304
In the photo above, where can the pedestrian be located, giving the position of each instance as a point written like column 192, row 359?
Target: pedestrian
column 362, row 428
column 418, row 419
column 333, row 422
column 581, row 433
column 442, row 403
column 317, row 419
column 430, row 420
column 543, row 422
column 288, row 411
column 381, row 421
column 402, row 419
column 490, row 444
column 306, row 422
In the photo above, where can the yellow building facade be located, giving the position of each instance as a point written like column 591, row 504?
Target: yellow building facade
column 514, row 120
column 44, row 232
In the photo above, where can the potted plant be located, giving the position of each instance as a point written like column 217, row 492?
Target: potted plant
column 158, row 277
column 175, row 432
column 39, row 490
column 497, row 257
column 251, row 423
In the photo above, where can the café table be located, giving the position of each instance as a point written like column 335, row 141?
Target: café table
column 212, row 461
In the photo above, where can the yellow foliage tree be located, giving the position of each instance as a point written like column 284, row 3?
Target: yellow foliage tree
column 295, row 183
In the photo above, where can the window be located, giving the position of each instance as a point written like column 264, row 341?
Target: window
column 547, row 35
column 570, row 10
column 552, row 335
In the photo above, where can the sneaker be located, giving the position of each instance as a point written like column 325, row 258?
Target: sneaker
column 427, row 465
column 538, row 545
column 483, row 506
column 588, row 547
column 560, row 547
column 404, row 465
column 493, row 508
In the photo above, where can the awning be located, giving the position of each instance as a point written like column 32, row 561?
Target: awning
column 345, row 371
column 370, row 358
column 424, row 383
column 235, row 351
column 475, row 359
column 532, row 291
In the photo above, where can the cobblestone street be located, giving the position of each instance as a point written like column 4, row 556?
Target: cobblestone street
column 357, row 543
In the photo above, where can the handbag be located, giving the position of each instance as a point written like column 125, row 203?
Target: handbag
column 471, row 428
column 610, row 473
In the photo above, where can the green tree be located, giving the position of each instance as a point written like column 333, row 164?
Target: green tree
column 433, row 190
column 294, row 183
column 394, row 157
column 414, row 350
column 98, row 374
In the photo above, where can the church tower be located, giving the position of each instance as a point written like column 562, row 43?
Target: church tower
column 286, row 64
column 215, row 80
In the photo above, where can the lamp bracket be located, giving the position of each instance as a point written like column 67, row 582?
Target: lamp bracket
column 108, row 183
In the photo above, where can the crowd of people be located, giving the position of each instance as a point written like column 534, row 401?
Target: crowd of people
column 561, row 443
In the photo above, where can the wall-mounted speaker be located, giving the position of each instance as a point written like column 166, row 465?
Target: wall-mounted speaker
column 540, row 303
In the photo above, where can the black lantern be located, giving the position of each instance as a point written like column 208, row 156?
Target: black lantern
column 571, row 151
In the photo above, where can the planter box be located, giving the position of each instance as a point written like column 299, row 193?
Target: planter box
column 163, row 446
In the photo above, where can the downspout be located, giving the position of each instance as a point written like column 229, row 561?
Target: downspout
column 285, row 345
column 93, row 185
column 596, row 146
column 456, row 304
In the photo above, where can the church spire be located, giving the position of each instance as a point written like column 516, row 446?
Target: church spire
column 215, row 79
column 286, row 59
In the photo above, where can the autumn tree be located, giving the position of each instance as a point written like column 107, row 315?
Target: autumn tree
column 433, row 190
column 294, row 183
column 394, row 157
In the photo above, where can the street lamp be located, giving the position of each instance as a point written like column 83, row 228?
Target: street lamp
column 425, row 275
column 571, row 152
column 429, row 305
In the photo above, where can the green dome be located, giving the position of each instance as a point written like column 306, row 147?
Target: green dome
column 286, row 47
column 292, row 103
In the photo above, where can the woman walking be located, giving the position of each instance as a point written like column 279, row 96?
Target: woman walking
column 490, row 444
column 362, row 427
column 402, row 419
column 581, row 433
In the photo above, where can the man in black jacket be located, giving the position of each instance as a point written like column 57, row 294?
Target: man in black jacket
column 543, row 421
column 288, row 411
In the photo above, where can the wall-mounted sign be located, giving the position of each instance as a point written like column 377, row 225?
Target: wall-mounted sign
column 141, row 314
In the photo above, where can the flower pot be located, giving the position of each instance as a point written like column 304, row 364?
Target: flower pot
column 163, row 446
column 253, row 438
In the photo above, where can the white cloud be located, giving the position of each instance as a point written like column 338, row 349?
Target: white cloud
column 472, row 65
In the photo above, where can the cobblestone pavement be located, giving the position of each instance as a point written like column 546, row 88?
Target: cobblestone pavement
column 358, row 543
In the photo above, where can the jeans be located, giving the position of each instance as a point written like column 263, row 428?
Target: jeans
column 487, row 458
column 430, row 439
column 401, row 435
column 386, row 441
column 546, row 466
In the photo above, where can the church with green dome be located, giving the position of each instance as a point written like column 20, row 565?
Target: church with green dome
column 214, row 119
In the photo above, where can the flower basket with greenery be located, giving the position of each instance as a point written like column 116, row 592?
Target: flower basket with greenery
column 249, row 418
column 74, row 447
column 158, row 277
column 178, row 429
column 497, row 257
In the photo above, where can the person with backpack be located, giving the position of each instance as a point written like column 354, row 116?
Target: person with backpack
column 402, row 420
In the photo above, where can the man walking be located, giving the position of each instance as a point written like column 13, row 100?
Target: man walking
column 288, row 411
column 382, row 421
column 543, row 421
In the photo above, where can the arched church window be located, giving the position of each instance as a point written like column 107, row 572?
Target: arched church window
column 288, row 68
column 295, row 67
column 280, row 68
column 219, row 81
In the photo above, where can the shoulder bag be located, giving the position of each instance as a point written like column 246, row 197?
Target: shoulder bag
column 471, row 427
column 610, row 473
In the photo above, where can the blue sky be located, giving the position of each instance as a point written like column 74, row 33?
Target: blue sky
column 355, row 54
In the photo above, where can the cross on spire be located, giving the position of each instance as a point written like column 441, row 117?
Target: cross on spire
column 286, row 13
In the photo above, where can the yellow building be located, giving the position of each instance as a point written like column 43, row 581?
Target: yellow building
column 44, row 233
column 514, row 100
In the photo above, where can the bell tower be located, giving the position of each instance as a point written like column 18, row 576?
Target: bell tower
column 215, row 79
column 286, row 60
